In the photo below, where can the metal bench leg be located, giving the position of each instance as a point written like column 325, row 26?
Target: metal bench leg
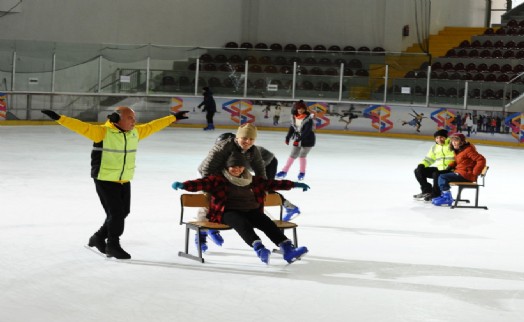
column 186, row 247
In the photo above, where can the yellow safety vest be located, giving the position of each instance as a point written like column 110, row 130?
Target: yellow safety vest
column 118, row 155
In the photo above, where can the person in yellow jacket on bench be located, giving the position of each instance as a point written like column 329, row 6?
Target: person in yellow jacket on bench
column 113, row 157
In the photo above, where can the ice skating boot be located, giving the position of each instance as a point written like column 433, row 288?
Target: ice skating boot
column 290, row 252
column 301, row 176
column 421, row 196
column 292, row 211
column 209, row 127
column 99, row 242
column 281, row 174
column 113, row 249
column 203, row 241
column 215, row 236
column 444, row 200
column 262, row 252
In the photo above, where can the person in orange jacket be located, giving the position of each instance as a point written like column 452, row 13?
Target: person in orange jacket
column 467, row 167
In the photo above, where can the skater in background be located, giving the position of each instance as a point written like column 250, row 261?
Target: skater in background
column 435, row 163
column 468, row 165
column 113, row 167
column 468, row 122
column 301, row 133
column 237, row 200
column 266, row 110
column 271, row 165
column 276, row 114
column 209, row 107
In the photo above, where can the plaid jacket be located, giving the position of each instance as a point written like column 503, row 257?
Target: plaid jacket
column 218, row 186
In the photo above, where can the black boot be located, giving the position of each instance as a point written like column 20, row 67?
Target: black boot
column 98, row 242
column 113, row 249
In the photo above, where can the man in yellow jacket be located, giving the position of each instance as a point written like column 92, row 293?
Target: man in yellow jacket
column 112, row 167
column 434, row 164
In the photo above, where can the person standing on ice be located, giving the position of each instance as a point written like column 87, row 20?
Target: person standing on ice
column 301, row 132
column 112, row 167
column 210, row 108
column 237, row 200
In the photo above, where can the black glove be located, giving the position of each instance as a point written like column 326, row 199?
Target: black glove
column 420, row 167
column 51, row 114
column 181, row 115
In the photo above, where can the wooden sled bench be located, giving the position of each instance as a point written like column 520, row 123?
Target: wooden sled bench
column 470, row 185
column 200, row 200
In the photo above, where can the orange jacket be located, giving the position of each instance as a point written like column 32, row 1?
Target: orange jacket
column 468, row 162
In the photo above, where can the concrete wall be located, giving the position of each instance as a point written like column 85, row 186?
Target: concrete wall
column 211, row 23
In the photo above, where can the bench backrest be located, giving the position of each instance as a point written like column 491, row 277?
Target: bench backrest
column 483, row 176
column 201, row 200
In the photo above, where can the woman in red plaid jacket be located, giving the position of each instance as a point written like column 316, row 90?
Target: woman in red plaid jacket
column 237, row 200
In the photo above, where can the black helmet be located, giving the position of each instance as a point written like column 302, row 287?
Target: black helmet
column 225, row 136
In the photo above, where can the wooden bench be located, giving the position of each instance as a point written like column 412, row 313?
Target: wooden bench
column 470, row 185
column 200, row 200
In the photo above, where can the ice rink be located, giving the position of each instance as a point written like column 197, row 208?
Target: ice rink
column 375, row 253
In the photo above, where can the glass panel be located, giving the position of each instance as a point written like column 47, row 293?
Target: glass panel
column 34, row 65
column 173, row 70
column 6, row 64
column 76, row 67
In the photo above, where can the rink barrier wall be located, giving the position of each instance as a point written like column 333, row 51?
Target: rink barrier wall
column 281, row 129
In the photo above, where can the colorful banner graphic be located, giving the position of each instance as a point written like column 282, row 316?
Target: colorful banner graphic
column 514, row 122
column 380, row 117
column 176, row 104
column 444, row 119
column 3, row 107
column 239, row 111
column 319, row 110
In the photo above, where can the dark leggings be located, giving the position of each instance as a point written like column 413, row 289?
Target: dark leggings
column 271, row 169
column 245, row 222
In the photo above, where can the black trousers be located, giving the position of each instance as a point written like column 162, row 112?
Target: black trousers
column 244, row 223
column 429, row 173
column 271, row 169
column 271, row 172
column 116, row 200
column 209, row 117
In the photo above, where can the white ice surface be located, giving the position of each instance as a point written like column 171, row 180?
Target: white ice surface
column 375, row 254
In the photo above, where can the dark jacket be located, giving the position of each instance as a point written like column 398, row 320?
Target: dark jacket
column 216, row 159
column 302, row 133
column 208, row 102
